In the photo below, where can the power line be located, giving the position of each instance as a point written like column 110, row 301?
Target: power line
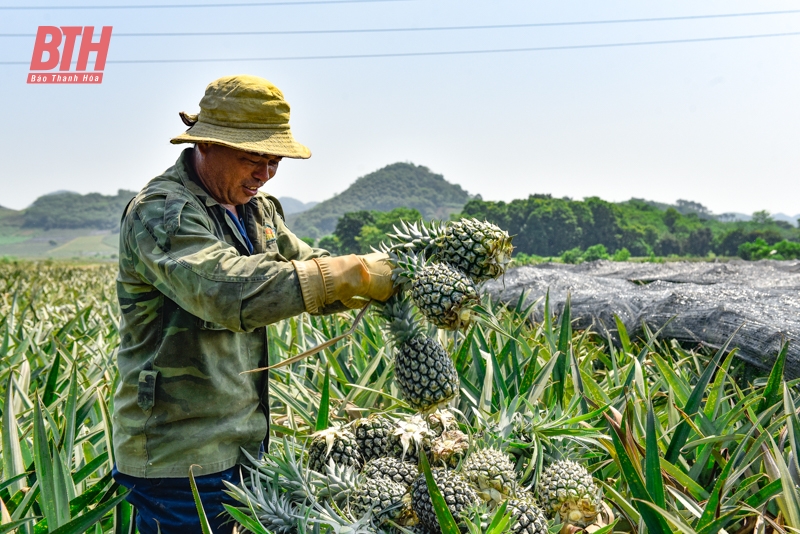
column 438, row 28
column 442, row 53
column 178, row 6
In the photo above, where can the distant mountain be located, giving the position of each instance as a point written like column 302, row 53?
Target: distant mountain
column 684, row 207
column 735, row 216
column 292, row 205
column 60, row 192
column 788, row 218
column 396, row 185
column 72, row 210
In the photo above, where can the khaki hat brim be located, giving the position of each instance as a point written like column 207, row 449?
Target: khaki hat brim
column 273, row 141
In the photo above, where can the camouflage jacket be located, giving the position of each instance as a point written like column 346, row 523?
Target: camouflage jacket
column 194, row 306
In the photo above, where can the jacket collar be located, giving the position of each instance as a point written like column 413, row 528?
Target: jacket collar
column 190, row 180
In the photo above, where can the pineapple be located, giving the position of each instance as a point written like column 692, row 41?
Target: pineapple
column 454, row 488
column 492, row 472
column 372, row 436
column 450, row 448
column 409, row 437
column 391, row 469
column 383, row 498
column 566, row 490
column 443, row 294
column 479, row 249
column 336, row 444
column 424, row 371
column 527, row 517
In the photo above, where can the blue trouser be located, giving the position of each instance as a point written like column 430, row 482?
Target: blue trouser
column 168, row 503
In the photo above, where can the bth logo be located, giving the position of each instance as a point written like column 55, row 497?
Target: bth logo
column 48, row 54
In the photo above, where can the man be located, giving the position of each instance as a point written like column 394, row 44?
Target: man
column 206, row 262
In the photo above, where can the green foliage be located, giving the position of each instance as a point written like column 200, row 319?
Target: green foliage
column 572, row 255
column 359, row 232
column 595, row 252
column 396, row 185
column 371, row 235
column 331, row 244
column 58, row 339
column 675, row 438
column 548, row 226
column 348, row 228
column 308, row 241
column 71, row 210
column 622, row 254
column 760, row 249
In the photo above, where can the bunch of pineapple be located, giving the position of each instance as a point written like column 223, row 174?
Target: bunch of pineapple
column 390, row 489
column 437, row 269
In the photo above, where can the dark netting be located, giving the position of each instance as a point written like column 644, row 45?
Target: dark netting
column 691, row 302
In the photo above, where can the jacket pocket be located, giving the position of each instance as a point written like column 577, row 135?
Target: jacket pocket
column 209, row 325
column 147, row 390
column 173, row 206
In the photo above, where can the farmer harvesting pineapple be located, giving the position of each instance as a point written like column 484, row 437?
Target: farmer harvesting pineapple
column 206, row 262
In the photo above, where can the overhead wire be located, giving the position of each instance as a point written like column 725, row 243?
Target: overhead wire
column 179, row 6
column 439, row 28
column 445, row 52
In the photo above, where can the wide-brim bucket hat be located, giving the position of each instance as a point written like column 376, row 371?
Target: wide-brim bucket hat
column 243, row 112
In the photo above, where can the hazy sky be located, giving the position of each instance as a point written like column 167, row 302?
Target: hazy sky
column 715, row 122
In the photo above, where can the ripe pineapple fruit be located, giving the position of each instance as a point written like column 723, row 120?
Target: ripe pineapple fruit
column 335, row 444
column 527, row 517
column 372, row 436
column 383, row 498
column 392, row 469
column 424, row 371
column 479, row 249
column 454, row 488
column 443, row 294
column 492, row 472
column 410, row 437
column 566, row 489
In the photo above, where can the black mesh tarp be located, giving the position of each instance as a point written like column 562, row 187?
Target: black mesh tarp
column 691, row 302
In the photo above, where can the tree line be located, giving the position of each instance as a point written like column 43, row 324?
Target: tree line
column 582, row 230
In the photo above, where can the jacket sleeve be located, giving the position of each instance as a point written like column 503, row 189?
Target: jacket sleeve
column 291, row 247
column 171, row 240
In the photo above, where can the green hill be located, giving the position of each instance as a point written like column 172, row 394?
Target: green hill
column 396, row 185
column 72, row 210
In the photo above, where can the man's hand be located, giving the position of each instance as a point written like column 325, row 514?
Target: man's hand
column 352, row 280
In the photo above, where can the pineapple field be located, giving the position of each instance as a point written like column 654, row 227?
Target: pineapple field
column 439, row 412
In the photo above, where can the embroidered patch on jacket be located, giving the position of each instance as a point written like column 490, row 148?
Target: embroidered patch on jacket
column 269, row 233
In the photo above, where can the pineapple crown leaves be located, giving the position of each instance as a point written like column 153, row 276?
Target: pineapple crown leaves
column 451, row 445
column 272, row 508
column 415, row 236
column 404, row 322
column 330, row 435
column 414, row 431
column 338, row 482
column 339, row 520
column 407, row 264
column 283, row 466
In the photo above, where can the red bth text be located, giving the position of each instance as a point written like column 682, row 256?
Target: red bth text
column 54, row 48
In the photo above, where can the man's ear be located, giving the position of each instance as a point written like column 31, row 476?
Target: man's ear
column 204, row 148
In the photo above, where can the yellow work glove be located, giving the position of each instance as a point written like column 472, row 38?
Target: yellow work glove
column 352, row 280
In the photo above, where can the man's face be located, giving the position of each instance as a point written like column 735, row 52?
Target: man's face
column 233, row 176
